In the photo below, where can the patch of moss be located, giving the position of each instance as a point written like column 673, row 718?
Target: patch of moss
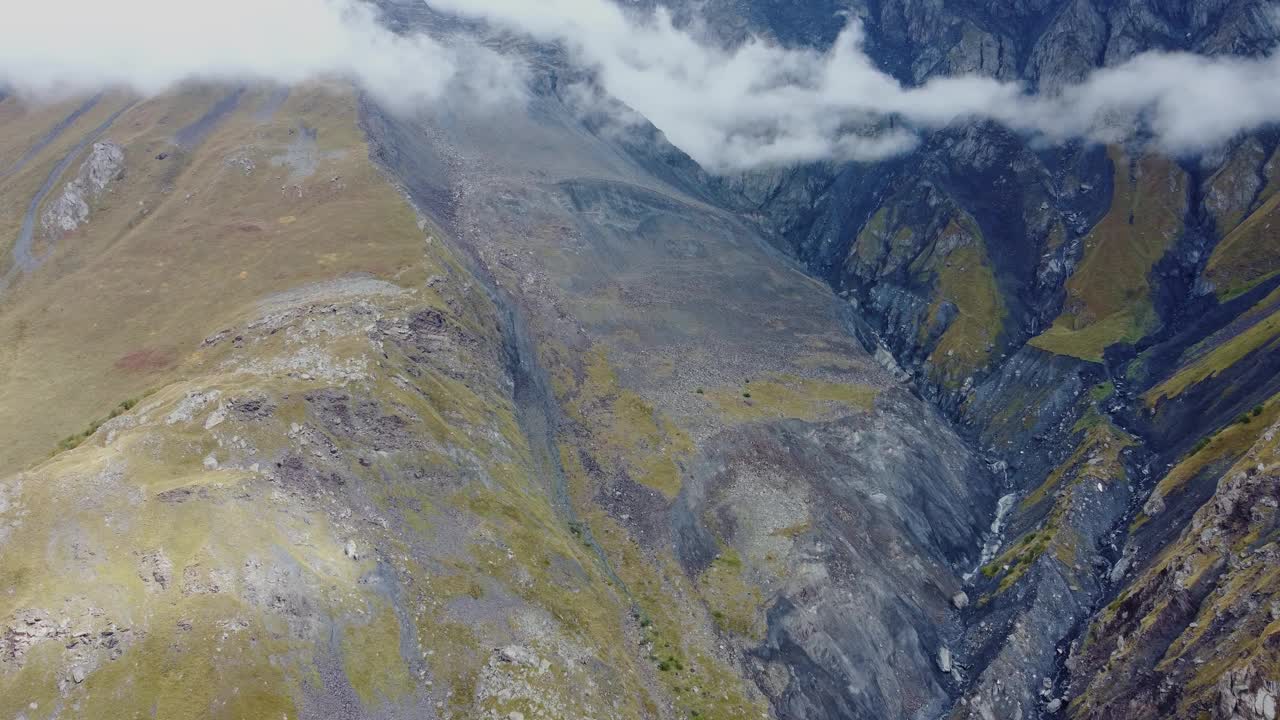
column 74, row 441
column 631, row 434
column 1096, row 458
column 1014, row 562
column 663, row 603
column 792, row 532
column 869, row 245
column 1139, row 520
column 1101, row 441
column 721, row 692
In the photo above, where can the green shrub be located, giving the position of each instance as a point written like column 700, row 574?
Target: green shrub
column 71, row 442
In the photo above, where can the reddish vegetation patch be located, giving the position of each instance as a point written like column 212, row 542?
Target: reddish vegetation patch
column 147, row 360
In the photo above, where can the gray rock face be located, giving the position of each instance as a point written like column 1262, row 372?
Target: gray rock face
column 854, row 608
column 1230, row 191
column 70, row 209
column 858, row 525
column 866, row 229
column 1242, row 696
column 1068, row 49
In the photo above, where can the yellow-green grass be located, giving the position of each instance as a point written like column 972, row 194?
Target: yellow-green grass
column 1096, row 459
column 26, row 123
column 957, row 267
column 23, row 126
column 682, row 652
column 1229, row 442
column 877, row 239
column 779, row 397
column 125, row 299
column 516, row 545
column 96, row 512
column 1262, row 336
column 525, row 548
column 1232, row 628
column 676, row 620
column 737, row 605
column 95, row 519
column 869, row 245
column 965, row 278
column 631, row 435
column 1249, row 254
column 1109, row 294
column 229, row 516
column 1102, row 391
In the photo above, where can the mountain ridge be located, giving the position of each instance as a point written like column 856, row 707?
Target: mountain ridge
column 518, row 416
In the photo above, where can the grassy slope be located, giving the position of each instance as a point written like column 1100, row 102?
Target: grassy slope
column 956, row 266
column 1224, row 447
column 24, row 126
column 1249, row 254
column 460, row 548
column 124, row 299
column 966, row 279
column 1260, row 332
column 149, row 286
column 1108, row 294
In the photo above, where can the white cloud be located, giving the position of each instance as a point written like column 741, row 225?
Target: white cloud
column 761, row 104
column 61, row 47
column 753, row 105
column 1188, row 102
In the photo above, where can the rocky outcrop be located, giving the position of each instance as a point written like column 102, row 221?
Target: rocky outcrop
column 1195, row 632
column 70, row 209
column 1244, row 694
